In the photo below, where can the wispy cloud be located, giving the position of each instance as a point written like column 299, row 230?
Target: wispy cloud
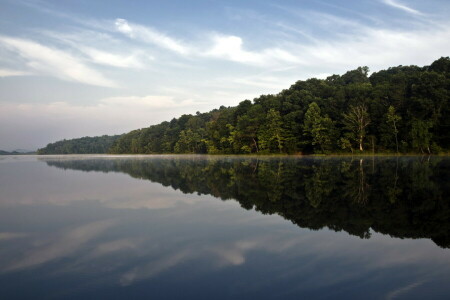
column 379, row 48
column 149, row 101
column 9, row 72
column 230, row 48
column 101, row 48
column 401, row 6
column 150, row 35
column 54, row 62
column 111, row 59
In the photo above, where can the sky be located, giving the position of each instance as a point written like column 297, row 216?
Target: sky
column 70, row 69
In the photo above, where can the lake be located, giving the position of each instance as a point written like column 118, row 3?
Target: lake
column 224, row 227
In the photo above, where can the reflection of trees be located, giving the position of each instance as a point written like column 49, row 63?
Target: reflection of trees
column 403, row 197
column 357, row 188
column 319, row 185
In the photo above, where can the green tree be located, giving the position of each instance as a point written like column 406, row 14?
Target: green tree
column 317, row 128
column 420, row 134
column 392, row 120
column 272, row 134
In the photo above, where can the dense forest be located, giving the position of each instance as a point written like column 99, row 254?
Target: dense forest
column 403, row 197
column 84, row 145
column 404, row 109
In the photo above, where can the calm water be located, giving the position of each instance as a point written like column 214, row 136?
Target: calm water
column 196, row 227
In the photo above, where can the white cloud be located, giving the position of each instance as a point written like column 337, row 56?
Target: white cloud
column 401, row 6
column 54, row 62
column 111, row 59
column 230, row 48
column 9, row 73
column 145, row 102
column 101, row 48
column 379, row 48
column 149, row 35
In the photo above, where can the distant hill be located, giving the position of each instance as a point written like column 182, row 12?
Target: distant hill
column 84, row 145
column 17, row 152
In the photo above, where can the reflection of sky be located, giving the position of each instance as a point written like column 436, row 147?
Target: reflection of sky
column 109, row 235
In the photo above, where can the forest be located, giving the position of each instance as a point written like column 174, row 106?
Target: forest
column 84, row 145
column 404, row 109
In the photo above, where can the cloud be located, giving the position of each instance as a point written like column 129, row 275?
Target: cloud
column 403, row 7
column 149, row 35
column 9, row 73
column 111, row 59
column 380, row 48
column 230, row 48
column 101, row 48
column 150, row 101
column 54, row 62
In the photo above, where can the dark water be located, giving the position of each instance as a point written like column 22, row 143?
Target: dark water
column 196, row 227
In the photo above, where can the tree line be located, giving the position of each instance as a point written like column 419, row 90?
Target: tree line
column 84, row 145
column 403, row 109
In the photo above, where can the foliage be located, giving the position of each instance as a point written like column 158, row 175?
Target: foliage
column 392, row 119
column 318, row 129
column 84, row 145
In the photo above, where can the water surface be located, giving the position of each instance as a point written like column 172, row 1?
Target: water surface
column 201, row 227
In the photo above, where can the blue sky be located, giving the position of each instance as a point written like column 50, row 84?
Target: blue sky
column 75, row 68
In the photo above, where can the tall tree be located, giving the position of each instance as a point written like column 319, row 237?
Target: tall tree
column 356, row 120
column 318, row 129
column 420, row 134
column 272, row 132
column 392, row 120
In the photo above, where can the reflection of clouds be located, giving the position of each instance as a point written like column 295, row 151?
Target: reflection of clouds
column 193, row 231
column 118, row 191
column 222, row 255
column 152, row 202
column 235, row 253
column 136, row 255
column 11, row 235
column 116, row 246
column 65, row 245
column 163, row 263
column 404, row 290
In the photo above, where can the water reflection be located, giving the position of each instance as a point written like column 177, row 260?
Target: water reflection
column 142, row 227
column 402, row 197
